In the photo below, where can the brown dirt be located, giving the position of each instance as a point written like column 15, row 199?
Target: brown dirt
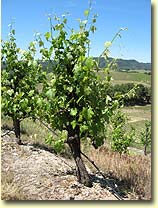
column 37, row 174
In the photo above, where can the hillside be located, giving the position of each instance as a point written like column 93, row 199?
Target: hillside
column 127, row 64
column 31, row 173
column 133, row 65
column 122, row 64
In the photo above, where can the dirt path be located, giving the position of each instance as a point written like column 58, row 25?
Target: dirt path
column 136, row 119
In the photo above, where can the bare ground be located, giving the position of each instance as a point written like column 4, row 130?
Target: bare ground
column 32, row 173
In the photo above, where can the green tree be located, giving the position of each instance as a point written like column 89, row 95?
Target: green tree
column 76, row 98
column 142, row 95
column 20, row 76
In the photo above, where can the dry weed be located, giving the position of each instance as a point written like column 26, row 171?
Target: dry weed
column 133, row 171
column 10, row 190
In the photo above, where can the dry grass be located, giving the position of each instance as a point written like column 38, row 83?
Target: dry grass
column 10, row 190
column 35, row 133
column 31, row 132
column 132, row 171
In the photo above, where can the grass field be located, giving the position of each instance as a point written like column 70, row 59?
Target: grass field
column 138, row 116
column 132, row 77
column 138, row 113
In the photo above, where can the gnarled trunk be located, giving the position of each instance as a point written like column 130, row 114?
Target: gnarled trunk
column 82, row 174
column 145, row 149
column 16, row 124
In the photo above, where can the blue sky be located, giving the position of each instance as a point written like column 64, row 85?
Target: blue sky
column 30, row 16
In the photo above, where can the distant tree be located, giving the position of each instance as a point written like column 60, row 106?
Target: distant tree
column 142, row 93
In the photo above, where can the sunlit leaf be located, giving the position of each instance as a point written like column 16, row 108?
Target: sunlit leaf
column 73, row 111
column 47, row 35
column 10, row 92
column 73, row 123
column 84, row 22
column 86, row 12
column 107, row 44
column 108, row 99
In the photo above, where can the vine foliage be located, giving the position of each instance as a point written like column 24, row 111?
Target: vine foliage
column 76, row 99
column 20, row 76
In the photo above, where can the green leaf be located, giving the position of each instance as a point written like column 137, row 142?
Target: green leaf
column 90, row 113
column 39, row 102
column 89, row 63
column 24, row 104
column 80, row 118
column 86, row 12
column 70, row 89
column 29, row 63
column 94, row 20
column 108, row 99
column 88, row 89
column 49, row 93
column 73, row 111
column 41, row 43
column 59, row 26
column 47, row 35
column 44, row 52
column 107, row 44
column 19, row 96
column 108, row 78
column 87, row 113
column 93, row 28
column 3, row 89
column 83, row 128
column 84, row 22
column 14, row 108
column 13, row 32
column 98, row 141
column 28, row 110
column 49, row 139
column 10, row 92
column 64, row 20
column 31, row 93
column 73, row 124
column 58, row 145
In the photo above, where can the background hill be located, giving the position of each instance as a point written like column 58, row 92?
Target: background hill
column 122, row 64
column 127, row 64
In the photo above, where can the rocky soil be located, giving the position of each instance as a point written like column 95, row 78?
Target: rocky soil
column 42, row 175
